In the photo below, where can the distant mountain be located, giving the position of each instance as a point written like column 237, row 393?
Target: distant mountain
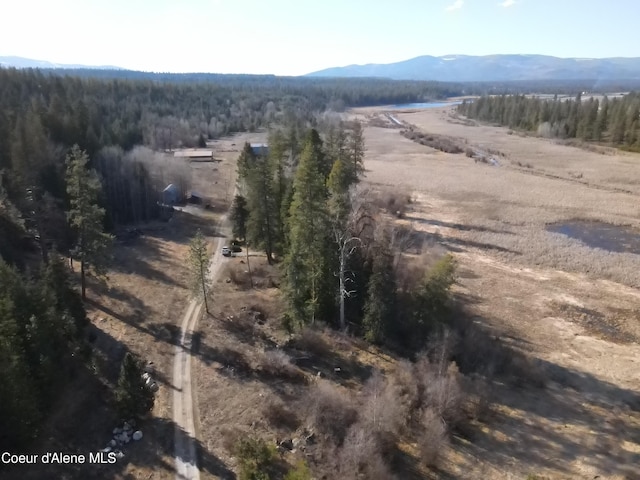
column 20, row 62
column 465, row 68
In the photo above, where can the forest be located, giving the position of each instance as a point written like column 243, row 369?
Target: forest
column 341, row 254
column 614, row 121
column 82, row 156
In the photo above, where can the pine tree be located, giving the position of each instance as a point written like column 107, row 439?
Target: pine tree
column 356, row 151
column 308, row 263
column 133, row 398
column 239, row 216
column 281, row 187
column 381, row 291
column 19, row 412
column 85, row 216
column 432, row 297
column 199, row 265
column 601, row 125
column 245, row 162
column 262, row 222
column 338, row 185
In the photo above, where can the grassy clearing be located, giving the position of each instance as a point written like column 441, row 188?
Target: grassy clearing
column 568, row 308
column 505, row 209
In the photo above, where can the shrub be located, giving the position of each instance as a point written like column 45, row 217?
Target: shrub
column 277, row 363
column 403, row 381
column 477, row 403
column 434, row 291
column 444, row 395
column 312, row 341
column 392, row 202
column 231, row 358
column 256, row 458
column 383, row 409
column 300, row 472
column 230, row 439
column 280, row 416
column 468, row 152
column 439, row 388
column 362, row 455
column 433, row 437
column 330, row 410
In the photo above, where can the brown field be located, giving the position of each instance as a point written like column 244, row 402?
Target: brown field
column 574, row 309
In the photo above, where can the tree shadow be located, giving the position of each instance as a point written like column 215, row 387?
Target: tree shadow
column 135, row 321
column 184, row 225
column 456, row 226
column 137, row 259
column 455, row 244
column 540, row 405
column 331, row 365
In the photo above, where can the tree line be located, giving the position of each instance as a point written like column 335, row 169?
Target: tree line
column 615, row 121
column 43, row 338
column 343, row 263
column 111, row 116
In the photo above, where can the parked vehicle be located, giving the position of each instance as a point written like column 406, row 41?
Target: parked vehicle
column 226, row 251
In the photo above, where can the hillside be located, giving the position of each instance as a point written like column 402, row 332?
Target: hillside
column 465, row 68
column 21, row 62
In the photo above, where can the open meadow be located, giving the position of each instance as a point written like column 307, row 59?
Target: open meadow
column 573, row 309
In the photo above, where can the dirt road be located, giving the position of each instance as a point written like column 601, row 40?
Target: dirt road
column 183, row 395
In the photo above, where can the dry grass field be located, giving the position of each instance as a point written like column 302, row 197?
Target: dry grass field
column 575, row 310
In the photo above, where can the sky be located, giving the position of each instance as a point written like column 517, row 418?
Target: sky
column 295, row 37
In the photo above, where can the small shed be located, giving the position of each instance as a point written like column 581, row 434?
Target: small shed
column 171, row 195
column 260, row 149
column 195, row 198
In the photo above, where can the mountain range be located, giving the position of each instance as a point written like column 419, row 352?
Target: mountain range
column 21, row 62
column 448, row 68
column 466, row 68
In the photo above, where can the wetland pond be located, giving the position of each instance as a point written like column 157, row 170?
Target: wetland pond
column 613, row 238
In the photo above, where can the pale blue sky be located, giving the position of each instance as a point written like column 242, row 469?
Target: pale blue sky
column 289, row 37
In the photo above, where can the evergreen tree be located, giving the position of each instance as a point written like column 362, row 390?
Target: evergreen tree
column 281, row 187
column 19, row 412
column 432, row 298
column 380, row 304
column 338, row 186
column 356, row 151
column 239, row 216
column 601, row 125
column 262, row 222
column 133, row 398
column 199, row 266
column 245, row 162
column 85, row 216
column 308, row 263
